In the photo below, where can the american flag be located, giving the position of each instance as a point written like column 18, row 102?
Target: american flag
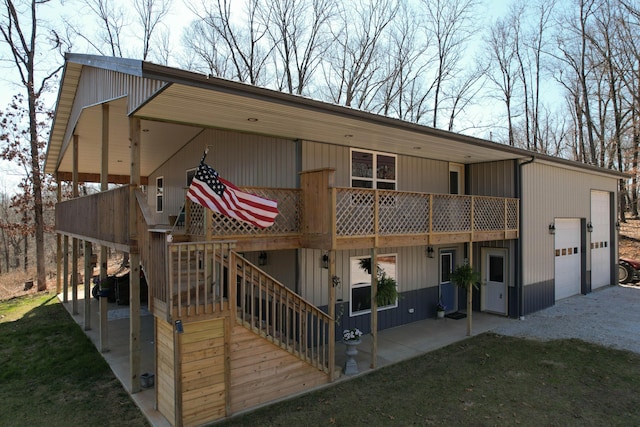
column 211, row 191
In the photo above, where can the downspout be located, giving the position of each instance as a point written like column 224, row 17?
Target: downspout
column 520, row 257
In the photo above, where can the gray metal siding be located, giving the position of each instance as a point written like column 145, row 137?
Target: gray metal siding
column 495, row 179
column 413, row 173
column 98, row 85
column 243, row 159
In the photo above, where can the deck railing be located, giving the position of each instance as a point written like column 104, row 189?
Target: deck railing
column 100, row 217
column 199, row 275
column 197, row 282
column 366, row 212
column 281, row 316
column 206, row 223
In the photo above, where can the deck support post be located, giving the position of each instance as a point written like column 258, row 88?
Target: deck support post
column 65, row 269
column 88, row 270
column 331, row 273
column 74, row 241
column 134, row 259
column 58, row 245
column 104, row 186
column 374, row 308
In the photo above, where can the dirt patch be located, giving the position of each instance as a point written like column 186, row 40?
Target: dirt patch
column 630, row 239
column 13, row 284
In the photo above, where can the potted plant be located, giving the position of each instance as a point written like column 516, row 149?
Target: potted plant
column 387, row 287
column 352, row 335
column 440, row 308
column 464, row 276
column 351, row 338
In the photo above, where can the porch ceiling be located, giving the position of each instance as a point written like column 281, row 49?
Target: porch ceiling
column 223, row 109
column 177, row 114
column 159, row 141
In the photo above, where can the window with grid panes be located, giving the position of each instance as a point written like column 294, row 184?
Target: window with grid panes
column 373, row 170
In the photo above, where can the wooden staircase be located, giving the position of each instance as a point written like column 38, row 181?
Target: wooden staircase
column 232, row 337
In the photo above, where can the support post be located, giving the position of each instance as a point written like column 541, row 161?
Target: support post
column 374, row 308
column 74, row 244
column 104, row 185
column 470, row 293
column 58, row 245
column 332, row 315
column 65, row 269
column 88, row 270
column 134, row 258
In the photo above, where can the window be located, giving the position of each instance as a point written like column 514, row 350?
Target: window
column 191, row 173
column 363, row 165
column 159, row 193
column 360, row 301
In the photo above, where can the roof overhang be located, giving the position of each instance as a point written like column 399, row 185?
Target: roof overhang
column 190, row 102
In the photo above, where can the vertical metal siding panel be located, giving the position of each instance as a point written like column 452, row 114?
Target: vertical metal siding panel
column 552, row 192
column 244, row 159
column 492, row 179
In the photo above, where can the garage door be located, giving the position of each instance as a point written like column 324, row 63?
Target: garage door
column 600, row 239
column 567, row 256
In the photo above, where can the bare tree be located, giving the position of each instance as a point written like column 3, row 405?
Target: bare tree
column 109, row 32
column 352, row 70
column 502, row 52
column 449, row 23
column 299, row 31
column 402, row 94
column 245, row 44
column 150, row 13
column 205, row 50
column 19, row 28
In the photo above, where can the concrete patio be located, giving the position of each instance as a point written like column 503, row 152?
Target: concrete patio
column 394, row 345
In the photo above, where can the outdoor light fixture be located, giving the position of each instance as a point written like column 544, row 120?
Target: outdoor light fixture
column 430, row 252
column 325, row 261
column 590, row 227
column 552, row 228
column 262, row 258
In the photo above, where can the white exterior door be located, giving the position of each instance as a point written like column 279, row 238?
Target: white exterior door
column 494, row 272
column 567, row 258
column 600, row 239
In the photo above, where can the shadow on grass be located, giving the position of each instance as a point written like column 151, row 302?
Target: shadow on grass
column 51, row 372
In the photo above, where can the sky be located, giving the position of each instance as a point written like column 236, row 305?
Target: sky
column 55, row 9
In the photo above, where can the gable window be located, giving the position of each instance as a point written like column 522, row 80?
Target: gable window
column 373, row 170
column 360, row 298
column 159, row 193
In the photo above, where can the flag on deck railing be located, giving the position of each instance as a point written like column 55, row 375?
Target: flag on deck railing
column 211, row 191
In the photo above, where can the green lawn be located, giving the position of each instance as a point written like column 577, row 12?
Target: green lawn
column 52, row 375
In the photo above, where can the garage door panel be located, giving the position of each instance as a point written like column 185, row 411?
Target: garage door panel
column 567, row 258
column 600, row 239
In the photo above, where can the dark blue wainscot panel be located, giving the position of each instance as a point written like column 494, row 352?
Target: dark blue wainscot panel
column 412, row 306
column 539, row 296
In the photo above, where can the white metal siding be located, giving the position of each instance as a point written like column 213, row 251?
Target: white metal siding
column 551, row 192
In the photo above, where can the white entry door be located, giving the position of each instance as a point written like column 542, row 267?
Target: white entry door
column 567, row 258
column 494, row 271
column 600, row 239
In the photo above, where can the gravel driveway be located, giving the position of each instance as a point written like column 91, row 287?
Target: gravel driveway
column 610, row 317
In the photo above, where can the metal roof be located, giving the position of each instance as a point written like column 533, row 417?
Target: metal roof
column 190, row 102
